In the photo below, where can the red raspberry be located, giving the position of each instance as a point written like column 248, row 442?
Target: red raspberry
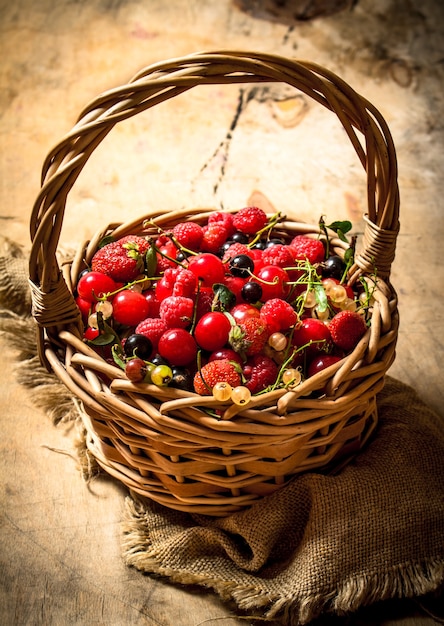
column 153, row 328
column 346, row 329
column 278, row 314
column 189, row 235
column 261, row 371
column 250, row 220
column 278, row 254
column 235, row 249
column 223, row 218
column 176, row 311
column 204, row 302
column 185, row 283
column 214, row 236
column 219, row 371
column 123, row 260
column 304, row 247
column 249, row 336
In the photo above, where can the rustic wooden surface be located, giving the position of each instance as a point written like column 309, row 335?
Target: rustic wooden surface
column 60, row 542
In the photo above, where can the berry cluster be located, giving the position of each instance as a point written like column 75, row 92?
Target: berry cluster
column 232, row 308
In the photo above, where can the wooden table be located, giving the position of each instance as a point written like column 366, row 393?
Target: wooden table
column 61, row 561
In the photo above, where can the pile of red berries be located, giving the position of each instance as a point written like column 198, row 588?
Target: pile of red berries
column 230, row 308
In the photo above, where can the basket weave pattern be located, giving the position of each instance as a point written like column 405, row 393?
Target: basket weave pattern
column 161, row 442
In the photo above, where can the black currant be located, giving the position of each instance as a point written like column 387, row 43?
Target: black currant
column 138, row 345
column 251, row 292
column 158, row 360
column 274, row 242
column 241, row 265
column 224, row 247
column 239, row 237
column 182, row 379
column 333, row 267
column 260, row 245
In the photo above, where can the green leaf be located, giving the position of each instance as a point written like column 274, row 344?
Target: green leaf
column 321, row 298
column 105, row 241
column 224, row 299
column 104, row 339
column 151, row 262
column 341, row 227
column 118, row 356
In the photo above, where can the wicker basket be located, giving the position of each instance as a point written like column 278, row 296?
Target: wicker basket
column 161, row 442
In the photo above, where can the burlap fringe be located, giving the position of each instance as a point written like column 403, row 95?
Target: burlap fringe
column 404, row 581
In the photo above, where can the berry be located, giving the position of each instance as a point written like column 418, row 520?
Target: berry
column 249, row 336
column 153, row 303
column 123, row 260
column 203, row 300
column 214, row 235
column 220, row 371
column 129, row 308
column 250, row 220
column 212, row 330
column 333, row 267
column 235, row 249
column 185, row 283
column 138, row 345
column 291, row 377
column 346, row 329
column 304, row 247
column 241, row 265
column 136, row 370
column 240, row 395
column 176, row 311
column 95, row 285
column 279, row 255
column 188, row 234
column 262, row 372
column 278, row 314
column 225, row 353
column 314, row 333
column 274, row 282
column 177, row 346
column 278, row 341
column 251, row 292
column 182, row 379
column 153, row 328
column 235, row 284
column 226, row 219
column 161, row 375
column 319, row 363
column 222, row 391
column 243, row 311
column 208, row 268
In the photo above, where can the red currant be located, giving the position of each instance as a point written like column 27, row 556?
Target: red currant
column 130, row 308
column 177, row 346
column 212, row 330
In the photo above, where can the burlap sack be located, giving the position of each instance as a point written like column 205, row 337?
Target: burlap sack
column 324, row 543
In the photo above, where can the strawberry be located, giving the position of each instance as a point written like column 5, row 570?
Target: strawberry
column 304, row 247
column 250, row 220
column 260, row 372
column 249, row 336
column 346, row 329
column 123, row 260
column 218, row 371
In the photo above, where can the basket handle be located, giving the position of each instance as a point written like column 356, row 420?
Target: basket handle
column 53, row 303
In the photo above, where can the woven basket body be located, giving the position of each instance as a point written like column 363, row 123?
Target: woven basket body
column 161, row 442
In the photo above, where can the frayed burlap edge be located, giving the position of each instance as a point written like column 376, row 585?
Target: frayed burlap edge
column 402, row 581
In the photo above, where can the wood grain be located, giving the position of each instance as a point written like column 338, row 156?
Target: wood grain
column 60, row 540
